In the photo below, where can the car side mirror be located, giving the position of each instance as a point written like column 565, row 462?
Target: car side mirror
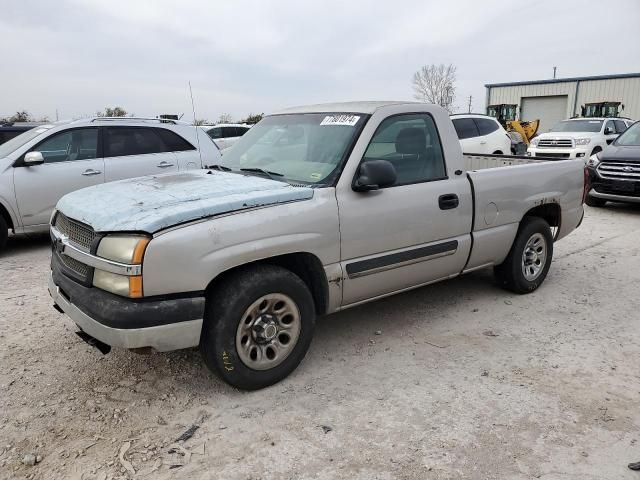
column 608, row 131
column 374, row 174
column 33, row 158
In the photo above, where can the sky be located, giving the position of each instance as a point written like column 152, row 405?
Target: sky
column 77, row 57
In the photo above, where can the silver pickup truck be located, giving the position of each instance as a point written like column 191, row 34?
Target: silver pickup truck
column 314, row 210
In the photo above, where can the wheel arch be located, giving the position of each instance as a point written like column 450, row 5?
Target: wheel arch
column 549, row 212
column 4, row 213
column 305, row 265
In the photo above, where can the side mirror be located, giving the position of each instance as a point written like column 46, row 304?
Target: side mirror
column 608, row 131
column 374, row 174
column 33, row 158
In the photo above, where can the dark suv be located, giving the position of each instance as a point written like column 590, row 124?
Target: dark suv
column 615, row 172
column 10, row 130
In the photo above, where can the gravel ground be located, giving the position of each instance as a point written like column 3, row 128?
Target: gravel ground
column 456, row 380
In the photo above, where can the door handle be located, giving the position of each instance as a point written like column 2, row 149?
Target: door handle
column 448, row 201
column 90, row 172
column 165, row 165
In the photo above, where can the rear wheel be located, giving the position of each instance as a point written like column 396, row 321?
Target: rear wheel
column 595, row 202
column 258, row 326
column 4, row 233
column 529, row 259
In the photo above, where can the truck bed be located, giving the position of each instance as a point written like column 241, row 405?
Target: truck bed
column 477, row 161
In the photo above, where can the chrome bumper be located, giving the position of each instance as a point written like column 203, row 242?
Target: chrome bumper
column 162, row 338
column 614, row 198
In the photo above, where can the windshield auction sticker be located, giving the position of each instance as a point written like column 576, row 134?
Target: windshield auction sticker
column 347, row 120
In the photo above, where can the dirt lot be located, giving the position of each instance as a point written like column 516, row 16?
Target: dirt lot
column 457, row 380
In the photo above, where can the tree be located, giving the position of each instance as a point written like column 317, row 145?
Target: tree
column 253, row 119
column 22, row 116
column 225, row 118
column 112, row 112
column 436, row 84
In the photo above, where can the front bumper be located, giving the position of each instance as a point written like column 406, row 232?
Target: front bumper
column 164, row 324
column 614, row 190
column 561, row 153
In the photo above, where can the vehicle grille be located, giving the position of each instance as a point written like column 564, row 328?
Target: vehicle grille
column 78, row 233
column 619, row 170
column 555, row 143
column 78, row 267
column 552, row 155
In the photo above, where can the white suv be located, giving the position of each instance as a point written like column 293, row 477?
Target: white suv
column 578, row 137
column 45, row 163
column 226, row 134
column 481, row 134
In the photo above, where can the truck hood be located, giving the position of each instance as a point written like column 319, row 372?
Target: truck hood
column 149, row 204
column 568, row 135
column 625, row 153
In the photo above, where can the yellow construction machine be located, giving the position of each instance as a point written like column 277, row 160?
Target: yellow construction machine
column 506, row 115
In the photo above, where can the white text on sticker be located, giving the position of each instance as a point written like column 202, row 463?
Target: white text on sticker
column 348, row 120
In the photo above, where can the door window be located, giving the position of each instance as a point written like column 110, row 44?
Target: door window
column 228, row 132
column 172, row 141
column 620, row 126
column 215, row 133
column 465, row 128
column 486, row 126
column 609, row 128
column 241, row 130
column 78, row 144
column 412, row 145
column 123, row 141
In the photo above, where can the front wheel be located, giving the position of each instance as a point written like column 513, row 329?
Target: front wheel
column 4, row 233
column 529, row 259
column 258, row 326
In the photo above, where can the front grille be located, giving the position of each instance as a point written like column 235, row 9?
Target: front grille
column 555, row 143
column 553, row 155
column 78, row 233
column 77, row 267
column 619, row 170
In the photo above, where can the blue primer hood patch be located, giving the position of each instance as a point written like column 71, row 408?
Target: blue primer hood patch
column 149, row 204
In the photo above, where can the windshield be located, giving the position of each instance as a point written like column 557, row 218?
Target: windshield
column 577, row 126
column 298, row 148
column 630, row 137
column 15, row 143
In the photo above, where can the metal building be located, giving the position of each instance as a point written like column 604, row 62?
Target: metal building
column 561, row 98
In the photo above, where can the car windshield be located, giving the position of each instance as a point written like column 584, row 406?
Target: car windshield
column 577, row 126
column 15, row 143
column 631, row 136
column 297, row 148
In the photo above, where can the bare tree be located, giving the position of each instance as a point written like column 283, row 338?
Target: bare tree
column 113, row 112
column 225, row 118
column 436, row 84
column 252, row 119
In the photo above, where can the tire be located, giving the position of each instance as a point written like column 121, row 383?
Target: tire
column 240, row 336
column 533, row 233
column 4, row 233
column 595, row 202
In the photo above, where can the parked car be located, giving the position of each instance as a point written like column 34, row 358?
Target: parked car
column 226, row 134
column 41, row 165
column 615, row 172
column 578, row 137
column 481, row 134
column 375, row 199
column 13, row 129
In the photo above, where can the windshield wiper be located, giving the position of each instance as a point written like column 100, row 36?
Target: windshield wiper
column 268, row 173
column 221, row 168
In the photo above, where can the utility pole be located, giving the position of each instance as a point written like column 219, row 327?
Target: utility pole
column 554, row 72
column 57, row 115
column 470, row 97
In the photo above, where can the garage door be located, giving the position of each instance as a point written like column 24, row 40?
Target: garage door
column 549, row 110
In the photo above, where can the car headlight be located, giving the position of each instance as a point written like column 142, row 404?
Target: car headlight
column 127, row 249
column 583, row 141
column 593, row 161
column 534, row 142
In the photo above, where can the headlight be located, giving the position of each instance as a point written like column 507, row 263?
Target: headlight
column 593, row 161
column 583, row 141
column 534, row 142
column 128, row 249
column 123, row 248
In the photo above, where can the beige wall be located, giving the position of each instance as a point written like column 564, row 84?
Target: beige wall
column 625, row 90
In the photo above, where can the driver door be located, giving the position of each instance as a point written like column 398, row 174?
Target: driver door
column 72, row 160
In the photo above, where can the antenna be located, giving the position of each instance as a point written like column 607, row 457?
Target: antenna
column 193, row 107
